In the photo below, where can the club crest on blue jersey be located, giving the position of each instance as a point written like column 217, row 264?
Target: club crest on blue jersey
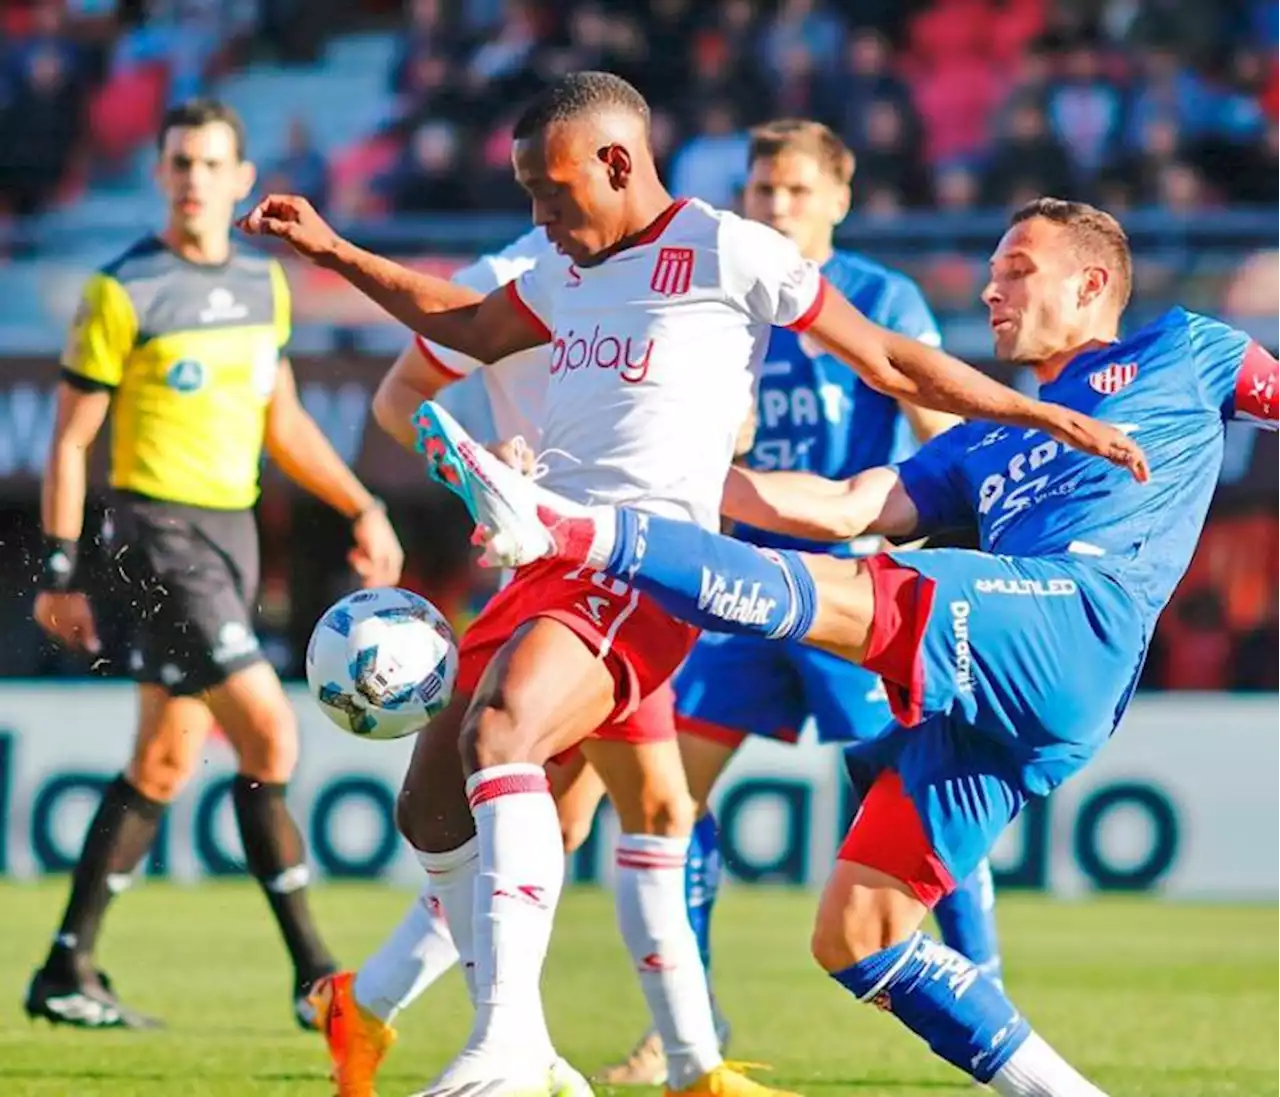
column 1113, row 378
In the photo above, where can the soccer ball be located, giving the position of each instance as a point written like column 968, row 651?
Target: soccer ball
column 381, row 663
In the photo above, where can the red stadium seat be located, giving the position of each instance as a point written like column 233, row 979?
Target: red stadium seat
column 124, row 113
column 955, row 100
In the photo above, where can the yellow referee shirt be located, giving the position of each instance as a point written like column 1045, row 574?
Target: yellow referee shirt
column 190, row 353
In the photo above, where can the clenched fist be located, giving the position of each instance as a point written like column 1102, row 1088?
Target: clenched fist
column 295, row 221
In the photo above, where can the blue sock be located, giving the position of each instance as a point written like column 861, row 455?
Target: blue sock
column 714, row 582
column 702, row 883
column 962, row 1014
column 967, row 921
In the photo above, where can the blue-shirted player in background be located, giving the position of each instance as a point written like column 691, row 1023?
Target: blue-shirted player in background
column 813, row 414
column 1007, row 668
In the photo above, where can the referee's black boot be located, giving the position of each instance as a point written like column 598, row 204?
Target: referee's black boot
column 81, row 1003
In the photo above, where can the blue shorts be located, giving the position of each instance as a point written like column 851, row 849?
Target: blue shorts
column 1007, row 675
column 734, row 686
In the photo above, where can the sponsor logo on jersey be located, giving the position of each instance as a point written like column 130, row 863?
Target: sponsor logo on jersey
column 186, row 375
column 964, row 653
column 1111, row 379
column 672, row 272
column 222, row 307
column 571, row 352
column 746, row 606
column 1049, row 588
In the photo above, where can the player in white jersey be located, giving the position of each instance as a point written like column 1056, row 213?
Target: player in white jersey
column 356, row 1008
column 515, row 387
column 658, row 314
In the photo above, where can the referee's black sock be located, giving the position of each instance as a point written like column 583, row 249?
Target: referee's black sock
column 118, row 838
column 274, row 852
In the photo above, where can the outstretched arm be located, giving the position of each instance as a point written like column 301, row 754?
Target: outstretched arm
column 800, row 504
column 907, row 369
column 416, row 376
column 484, row 327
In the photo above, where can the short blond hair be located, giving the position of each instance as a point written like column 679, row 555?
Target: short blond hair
column 804, row 136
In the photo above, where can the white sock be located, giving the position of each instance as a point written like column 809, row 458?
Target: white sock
column 521, row 874
column 453, row 881
column 419, row 950
column 649, row 893
column 604, row 533
column 1036, row 1070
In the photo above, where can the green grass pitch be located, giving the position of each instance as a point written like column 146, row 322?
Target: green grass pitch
column 1150, row 1000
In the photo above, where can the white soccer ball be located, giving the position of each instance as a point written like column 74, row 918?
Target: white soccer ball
column 381, row 663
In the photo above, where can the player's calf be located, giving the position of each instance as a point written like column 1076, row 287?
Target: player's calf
column 887, row 879
column 577, row 790
column 257, row 718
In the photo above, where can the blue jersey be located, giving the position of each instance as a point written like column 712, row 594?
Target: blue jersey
column 813, row 412
column 1172, row 385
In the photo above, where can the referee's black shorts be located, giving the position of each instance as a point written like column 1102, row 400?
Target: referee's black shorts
column 190, row 578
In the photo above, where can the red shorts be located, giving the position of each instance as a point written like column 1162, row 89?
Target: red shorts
column 640, row 643
column 888, row 836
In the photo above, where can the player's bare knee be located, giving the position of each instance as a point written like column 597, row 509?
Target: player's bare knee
column 493, row 736
column 840, row 942
column 667, row 812
column 268, row 751
column 856, row 921
column 159, row 777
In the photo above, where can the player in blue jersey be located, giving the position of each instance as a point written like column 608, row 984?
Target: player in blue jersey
column 817, row 415
column 1007, row 668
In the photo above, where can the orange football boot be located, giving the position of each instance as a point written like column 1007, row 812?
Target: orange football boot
column 358, row 1041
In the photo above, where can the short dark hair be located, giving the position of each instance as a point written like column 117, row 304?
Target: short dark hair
column 194, row 113
column 1094, row 233
column 577, row 94
column 802, row 135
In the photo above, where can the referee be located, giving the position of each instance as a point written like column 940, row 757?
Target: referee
column 181, row 340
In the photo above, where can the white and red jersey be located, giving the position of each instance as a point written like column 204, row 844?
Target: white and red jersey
column 516, row 385
column 655, row 353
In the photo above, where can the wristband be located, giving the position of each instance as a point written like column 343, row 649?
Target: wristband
column 58, row 567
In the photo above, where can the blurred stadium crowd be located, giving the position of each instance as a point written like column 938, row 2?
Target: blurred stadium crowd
column 385, row 114
column 950, row 104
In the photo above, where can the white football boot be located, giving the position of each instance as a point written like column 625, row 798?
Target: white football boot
column 503, row 503
column 476, row 1073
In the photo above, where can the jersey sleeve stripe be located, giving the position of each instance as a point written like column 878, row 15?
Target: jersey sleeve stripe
column 512, row 290
column 805, row 321
column 81, row 383
column 435, row 361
